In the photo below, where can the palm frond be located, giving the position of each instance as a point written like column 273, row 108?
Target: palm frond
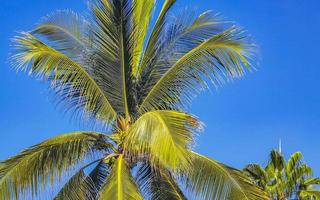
column 158, row 30
column 142, row 12
column 276, row 162
column 209, row 179
column 310, row 194
column 223, row 55
column 113, row 50
column 299, row 173
column 67, row 31
column 183, row 33
column 43, row 164
column 158, row 183
column 164, row 135
column 120, row 184
column 257, row 174
column 84, row 186
column 99, row 175
column 68, row 78
column 79, row 187
column 312, row 181
column 294, row 160
column 247, row 189
column 164, row 186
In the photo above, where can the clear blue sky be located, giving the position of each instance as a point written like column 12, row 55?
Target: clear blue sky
column 244, row 120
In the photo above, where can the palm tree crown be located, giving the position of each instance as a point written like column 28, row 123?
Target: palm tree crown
column 114, row 68
column 283, row 179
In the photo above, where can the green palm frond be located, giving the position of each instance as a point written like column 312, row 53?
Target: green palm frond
column 158, row 30
column 67, row 31
column 164, row 135
column 299, row 173
column 182, row 35
column 247, row 189
column 257, row 174
column 99, row 174
column 43, row 164
column 294, row 161
column 310, row 194
column 120, row 184
column 68, row 78
column 165, row 187
column 82, row 186
column 158, row 183
column 225, row 54
column 276, row 162
column 312, row 181
column 113, row 50
column 141, row 18
column 308, row 189
column 79, row 187
column 211, row 180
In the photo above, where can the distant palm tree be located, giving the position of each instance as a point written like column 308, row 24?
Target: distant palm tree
column 283, row 179
column 108, row 68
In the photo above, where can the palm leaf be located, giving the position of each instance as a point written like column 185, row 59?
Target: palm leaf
column 294, row 160
column 112, row 50
column 79, row 187
column 257, row 174
column 158, row 183
column 158, row 30
column 71, row 80
column 164, row 135
column 43, row 164
column 299, row 173
column 209, row 179
column 83, row 186
column 99, row 174
column 164, row 186
column 310, row 194
column 67, row 31
column 247, row 189
column 222, row 55
column 312, row 181
column 120, row 184
column 182, row 35
column 142, row 12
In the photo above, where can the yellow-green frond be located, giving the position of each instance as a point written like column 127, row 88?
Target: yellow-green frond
column 85, row 186
column 152, row 43
column 113, row 48
column 311, row 194
column 164, row 135
column 257, row 174
column 67, row 30
column 79, row 187
column 209, row 179
column 43, row 164
column 158, row 183
column 223, row 55
column 312, row 181
column 68, row 78
column 120, row 184
column 142, row 12
column 203, row 20
column 294, row 161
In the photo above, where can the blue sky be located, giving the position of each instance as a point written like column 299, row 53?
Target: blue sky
column 244, row 119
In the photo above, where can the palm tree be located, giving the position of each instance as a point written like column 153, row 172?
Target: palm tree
column 283, row 179
column 134, row 81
